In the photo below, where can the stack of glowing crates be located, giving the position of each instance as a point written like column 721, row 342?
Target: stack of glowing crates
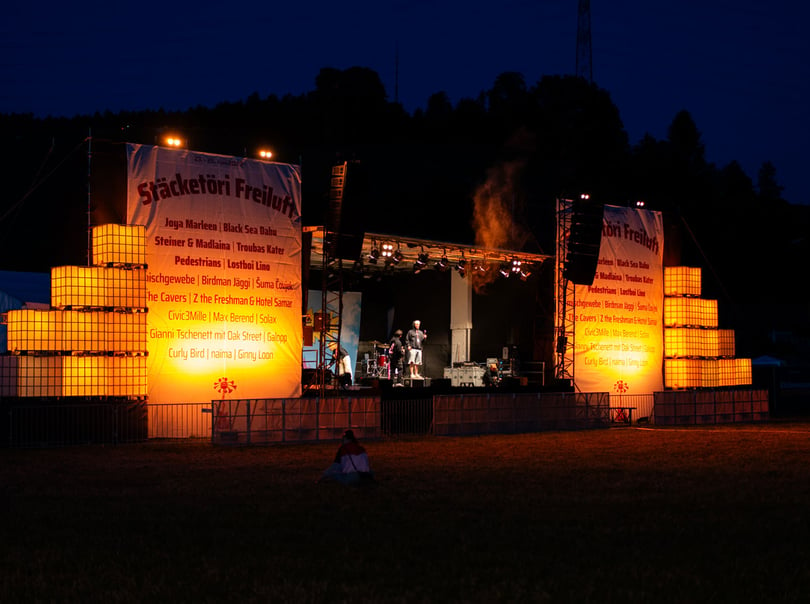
column 92, row 340
column 696, row 353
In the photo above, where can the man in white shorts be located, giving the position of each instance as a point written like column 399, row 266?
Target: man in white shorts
column 414, row 340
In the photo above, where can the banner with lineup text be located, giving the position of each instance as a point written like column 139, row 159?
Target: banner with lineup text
column 618, row 328
column 224, row 273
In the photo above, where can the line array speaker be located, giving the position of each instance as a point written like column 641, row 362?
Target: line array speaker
column 584, row 240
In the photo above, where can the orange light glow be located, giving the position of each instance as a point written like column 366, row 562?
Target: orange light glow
column 706, row 373
column 119, row 244
column 690, row 312
column 681, row 281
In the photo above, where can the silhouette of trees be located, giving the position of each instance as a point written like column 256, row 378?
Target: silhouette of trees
column 421, row 170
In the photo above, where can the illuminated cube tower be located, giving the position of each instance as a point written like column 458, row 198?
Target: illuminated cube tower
column 92, row 340
column 696, row 353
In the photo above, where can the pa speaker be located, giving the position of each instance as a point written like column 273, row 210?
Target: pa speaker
column 584, row 240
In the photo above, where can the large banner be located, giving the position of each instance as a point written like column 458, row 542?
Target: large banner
column 618, row 329
column 224, row 273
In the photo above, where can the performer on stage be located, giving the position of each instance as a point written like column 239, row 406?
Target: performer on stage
column 343, row 364
column 414, row 340
column 396, row 350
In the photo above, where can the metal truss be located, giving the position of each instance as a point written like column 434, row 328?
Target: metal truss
column 566, row 292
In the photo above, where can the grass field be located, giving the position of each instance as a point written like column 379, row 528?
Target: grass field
column 702, row 514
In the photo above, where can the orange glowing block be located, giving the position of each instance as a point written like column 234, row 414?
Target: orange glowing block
column 115, row 244
column 681, row 281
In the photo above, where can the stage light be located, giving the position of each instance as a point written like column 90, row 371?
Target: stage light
column 173, row 141
column 373, row 254
column 480, row 266
column 524, row 274
column 505, row 270
column 442, row 263
column 397, row 257
column 421, row 262
column 265, row 154
column 388, row 252
column 640, row 204
column 461, row 267
column 516, row 265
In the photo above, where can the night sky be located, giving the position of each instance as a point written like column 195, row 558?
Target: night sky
column 742, row 69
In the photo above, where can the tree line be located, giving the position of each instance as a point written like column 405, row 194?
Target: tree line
column 419, row 173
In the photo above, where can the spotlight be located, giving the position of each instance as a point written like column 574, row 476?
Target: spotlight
column 524, row 274
column 442, row 263
column 505, row 270
column 388, row 253
column 373, row 254
column 420, row 263
column 516, row 265
column 173, row 141
column 461, row 267
column 480, row 267
column 397, row 257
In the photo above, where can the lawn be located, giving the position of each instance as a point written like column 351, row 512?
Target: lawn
column 653, row 514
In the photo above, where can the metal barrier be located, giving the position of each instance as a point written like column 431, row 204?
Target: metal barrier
column 57, row 424
column 695, row 407
column 407, row 416
column 505, row 413
column 262, row 421
column 53, row 423
column 179, row 421
column 630, row 408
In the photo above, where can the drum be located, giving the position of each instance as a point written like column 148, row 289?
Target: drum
column 382, row 362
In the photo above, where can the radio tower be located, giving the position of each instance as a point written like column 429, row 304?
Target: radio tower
column 584, row 54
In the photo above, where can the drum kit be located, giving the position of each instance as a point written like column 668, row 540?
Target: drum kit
column 376, row 364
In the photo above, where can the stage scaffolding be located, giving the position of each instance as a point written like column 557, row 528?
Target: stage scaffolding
column 328, row 322
column 566, row 302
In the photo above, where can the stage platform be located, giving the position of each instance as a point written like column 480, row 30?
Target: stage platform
column 418, row 389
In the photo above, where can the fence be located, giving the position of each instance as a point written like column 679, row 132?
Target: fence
column 691, row 407
column 62, row 422
column 402, row 417
column 492, row 413
column 630, row 408
column 56, row 423
column 263, row 421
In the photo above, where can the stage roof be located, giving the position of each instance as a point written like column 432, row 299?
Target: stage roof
column 410, row 248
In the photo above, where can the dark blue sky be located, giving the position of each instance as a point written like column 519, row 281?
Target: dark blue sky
column 742, row 69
